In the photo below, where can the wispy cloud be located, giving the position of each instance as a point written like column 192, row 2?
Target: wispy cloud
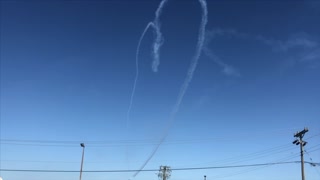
column 301, row 41
column 312, row 59
column 312, row 5
column 304, row 47
column 312, row 56
column 210, row 35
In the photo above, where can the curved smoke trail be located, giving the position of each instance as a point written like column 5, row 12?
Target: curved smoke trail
column 194, row 62
column 158, row 42
column 150, row 24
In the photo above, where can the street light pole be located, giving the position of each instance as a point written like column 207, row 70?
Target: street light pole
column 83, row 146
column 299, row 141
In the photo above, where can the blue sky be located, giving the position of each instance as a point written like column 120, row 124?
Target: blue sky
column 68, row 69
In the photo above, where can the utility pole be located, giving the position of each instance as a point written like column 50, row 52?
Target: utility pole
column 83, row 146
column 299, row 141
column 164, row 173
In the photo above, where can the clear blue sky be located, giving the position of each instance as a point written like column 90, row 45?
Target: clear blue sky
column 68, row 70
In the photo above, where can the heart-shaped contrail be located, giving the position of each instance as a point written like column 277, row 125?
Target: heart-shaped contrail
column 158, row 42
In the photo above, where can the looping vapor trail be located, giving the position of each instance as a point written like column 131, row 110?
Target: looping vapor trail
column 156, row 61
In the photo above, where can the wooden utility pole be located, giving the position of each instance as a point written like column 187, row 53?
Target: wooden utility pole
column 299, row 141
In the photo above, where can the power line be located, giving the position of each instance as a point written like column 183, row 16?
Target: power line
column 279, row 160
column 226, row 161
column 314, row 150
column 173, row 169
column 233, row 160
column 103, row 143
column 253, row 168
column 255, row 155
column 312, row 162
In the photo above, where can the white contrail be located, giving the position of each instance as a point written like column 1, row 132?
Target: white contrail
column 135, row 80
column 227, row 69
column 150, row 24
column 194, row 62
column 158, row 42
column 155, row 51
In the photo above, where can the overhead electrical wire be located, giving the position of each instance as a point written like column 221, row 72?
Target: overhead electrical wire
column 250, row 169
column 173, row 169
column 112, row 143
column 292, row 156
column 295, row 155
column 131, row 141
column 255, row 155
column 227, row 161
column 233, row 160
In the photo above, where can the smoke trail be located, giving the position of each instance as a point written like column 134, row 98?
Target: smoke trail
column 192, row 67
column 150, row 24
column 227, row 69
column 158, row 42
column 194, row 61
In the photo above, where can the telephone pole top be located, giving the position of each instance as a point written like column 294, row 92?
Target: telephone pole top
column 164, row 173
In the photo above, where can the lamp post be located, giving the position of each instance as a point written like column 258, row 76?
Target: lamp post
column 83, row 146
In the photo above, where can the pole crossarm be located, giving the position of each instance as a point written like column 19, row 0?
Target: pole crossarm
column 301, row 133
